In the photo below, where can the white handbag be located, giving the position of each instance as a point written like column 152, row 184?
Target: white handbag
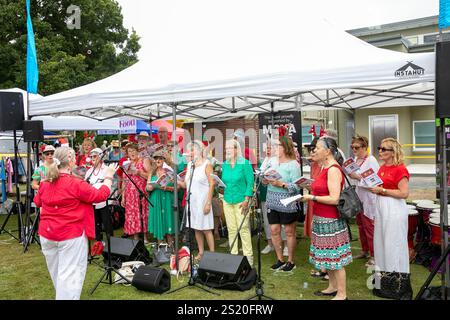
column 127, row 270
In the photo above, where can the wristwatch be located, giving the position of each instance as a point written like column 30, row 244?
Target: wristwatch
column 314, row 198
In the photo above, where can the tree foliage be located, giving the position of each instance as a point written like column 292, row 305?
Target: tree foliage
column 67, row 58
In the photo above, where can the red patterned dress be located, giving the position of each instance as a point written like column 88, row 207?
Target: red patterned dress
column 132, row 214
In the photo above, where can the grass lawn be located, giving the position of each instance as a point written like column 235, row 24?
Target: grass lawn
column 25, row 276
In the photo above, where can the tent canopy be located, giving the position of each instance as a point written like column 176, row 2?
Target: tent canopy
column 231, row 58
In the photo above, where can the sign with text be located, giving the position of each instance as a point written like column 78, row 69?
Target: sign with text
column 127, row 126
column 290, row 119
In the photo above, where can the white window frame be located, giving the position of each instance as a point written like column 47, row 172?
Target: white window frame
column 423, row 149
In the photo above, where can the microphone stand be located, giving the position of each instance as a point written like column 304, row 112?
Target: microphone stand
column 191, row 281
column 88, row 180
column 259, row 290
column 141, row 196
column 109, row 268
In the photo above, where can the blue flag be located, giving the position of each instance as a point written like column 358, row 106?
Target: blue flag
column 32, row 67
column 444, row 14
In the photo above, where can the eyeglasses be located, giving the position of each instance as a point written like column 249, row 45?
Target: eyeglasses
column 384, row 149
column 48, row 153
column 94, row 156
column 356, row 147
column 158, row 158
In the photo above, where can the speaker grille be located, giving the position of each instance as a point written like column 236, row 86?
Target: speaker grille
column 442, row 79
column 11, row 111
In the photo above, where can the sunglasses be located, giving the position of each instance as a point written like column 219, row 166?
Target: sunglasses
column 356, row 147
column 384, row 149
column 158, row 158
column 48, row 153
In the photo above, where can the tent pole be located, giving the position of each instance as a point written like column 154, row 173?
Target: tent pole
column 28, row 174
column 272, row 120
column 175, row 186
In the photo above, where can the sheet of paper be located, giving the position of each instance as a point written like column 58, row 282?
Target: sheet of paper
column 272, row 174
column 182, row 175
column 371, row 178
column 219, row 181
column 350, row 166
column 303, row 182
column 289, row 200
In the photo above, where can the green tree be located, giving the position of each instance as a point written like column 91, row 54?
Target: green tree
column 67, row 58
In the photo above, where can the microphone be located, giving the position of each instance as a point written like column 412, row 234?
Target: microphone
column 110, row 161
column 107, row 149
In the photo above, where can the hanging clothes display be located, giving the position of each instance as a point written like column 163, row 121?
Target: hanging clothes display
column 9, row 174
column 3, row 179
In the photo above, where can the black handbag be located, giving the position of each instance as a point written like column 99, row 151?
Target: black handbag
column 349, row 204
column 394, row 285
column 162, row 253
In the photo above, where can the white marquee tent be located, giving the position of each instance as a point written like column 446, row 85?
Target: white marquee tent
column 233, row 58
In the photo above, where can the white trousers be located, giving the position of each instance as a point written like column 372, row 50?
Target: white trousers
column 267, row 225
column 67, row 264
column 391, row 235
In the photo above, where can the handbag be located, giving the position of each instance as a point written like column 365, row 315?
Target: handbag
column 349, row 204
column 162, row 254
column 127, row 270
column 394, row 285
column 184, row 263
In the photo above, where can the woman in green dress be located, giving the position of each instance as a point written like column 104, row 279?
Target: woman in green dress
column 160, row 218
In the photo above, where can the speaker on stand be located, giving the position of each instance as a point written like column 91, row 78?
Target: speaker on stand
column 33, row 130
column 11, row 118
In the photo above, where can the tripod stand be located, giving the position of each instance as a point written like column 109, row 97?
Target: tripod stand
column 30, row 236
column 443, row 143
column 16, row 207
column 191, row 282
column 109, row 269
column 32, row 232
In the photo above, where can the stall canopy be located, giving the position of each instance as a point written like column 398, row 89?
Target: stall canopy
column 231, row 58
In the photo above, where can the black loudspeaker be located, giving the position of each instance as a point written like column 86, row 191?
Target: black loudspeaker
column 223, row 267
column 33, row 130
column 11, row 111
column 123, row 250
column 151, row 279
column 442, row 79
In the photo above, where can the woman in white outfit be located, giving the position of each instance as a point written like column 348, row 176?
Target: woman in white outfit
column 391, row 218
column 364, row 219
column 199, row 204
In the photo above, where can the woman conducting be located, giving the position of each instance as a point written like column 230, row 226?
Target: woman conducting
column 237, row 174
column 67, row 221
column 330, row 243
